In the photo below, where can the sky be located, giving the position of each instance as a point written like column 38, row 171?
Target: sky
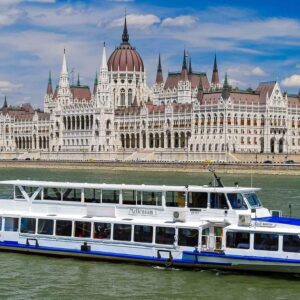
column 254, row 40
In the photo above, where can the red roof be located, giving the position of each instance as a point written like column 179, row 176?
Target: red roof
column 264, row 89
column 81, row 92
column 194, row 78
column 125, row 58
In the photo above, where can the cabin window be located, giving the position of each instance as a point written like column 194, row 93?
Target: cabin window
column 122, row 232
column 92, row 196
column 11, row 224
column 71, row 195
column 266, row 241
column 45, row 226
column 82, row 229
column 63, row 228
column 18, row 193
column 52, row 194
column 165, row 235
column 30, row 190
column 102, row 231
column 151, row 198
column 291, row 243
column 130, row 197
column 240, row 240
column 218, row 201
column 197, row 200
column 143, row 233
column 188, row 237
column 175, row 199
column 0, row 223
column 205, row 237
column 237, row 201
column 253, row 200
column 28, row 225
column 110, row 196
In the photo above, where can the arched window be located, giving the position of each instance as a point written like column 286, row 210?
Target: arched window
column 129, row 97
column 122, row 97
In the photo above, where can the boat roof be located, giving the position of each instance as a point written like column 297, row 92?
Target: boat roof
column 141, row 187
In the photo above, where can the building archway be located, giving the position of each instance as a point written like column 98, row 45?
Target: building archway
column 280, row 145
column 272, row 145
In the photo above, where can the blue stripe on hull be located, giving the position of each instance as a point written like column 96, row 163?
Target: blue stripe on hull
column 280, row 220
column 14, row 246
column 242, row 257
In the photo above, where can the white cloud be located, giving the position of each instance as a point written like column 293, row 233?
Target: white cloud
column 137, row 20
column 236, row 83
column 7, row 86
column 292, row 81
column 41, row 1
column 258, row 71
column 12, row 2
column 180, row 21
column 10, row 16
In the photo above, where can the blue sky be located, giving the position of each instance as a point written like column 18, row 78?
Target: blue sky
column 254, row 40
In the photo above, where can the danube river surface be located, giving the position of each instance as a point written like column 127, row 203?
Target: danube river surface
column 36, row 277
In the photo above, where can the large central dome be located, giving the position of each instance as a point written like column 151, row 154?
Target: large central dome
column 125, row 57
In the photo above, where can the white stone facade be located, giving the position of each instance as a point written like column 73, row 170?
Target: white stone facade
column 185, row 112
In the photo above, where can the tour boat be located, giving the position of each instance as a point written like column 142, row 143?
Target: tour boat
column 209, row 226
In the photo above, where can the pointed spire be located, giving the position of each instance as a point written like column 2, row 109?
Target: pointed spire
column 95, row 84
column 159, row 74
column 226, row 88
column 78, row 80
column 225, row 81
column 184, row 71
column 64, row 84
column 159, row 69
column 125, row 35
column 104, row 61
column 49, row 87
column 184, row 64
column 64, row 69
column 190, row 66
column 215, row 64
column 215, row 82
column 5, row 103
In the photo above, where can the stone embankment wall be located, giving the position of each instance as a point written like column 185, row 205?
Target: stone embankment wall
column 247, row 168
column 151, row 156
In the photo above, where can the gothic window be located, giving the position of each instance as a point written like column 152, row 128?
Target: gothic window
column 82, row 122
column 255, row 120
column 122, row 97
column 129, row 97
column 202, row 120
column 235, row 119
column 87, row 122
column 221, row 119
column 229, row 119
column 248, row 120
column 293, row 122
column 242, row 120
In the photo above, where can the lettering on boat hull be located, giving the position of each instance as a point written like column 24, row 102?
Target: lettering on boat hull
column 142, row 212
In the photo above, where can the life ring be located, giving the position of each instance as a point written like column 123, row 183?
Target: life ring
column 168, row 262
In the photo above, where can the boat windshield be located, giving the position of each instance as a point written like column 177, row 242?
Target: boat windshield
column 236, row 201
column 253, row 200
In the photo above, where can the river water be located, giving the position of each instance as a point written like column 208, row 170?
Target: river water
column 37, row 277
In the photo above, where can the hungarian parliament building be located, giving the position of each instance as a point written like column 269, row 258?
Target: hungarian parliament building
column 121, row 117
